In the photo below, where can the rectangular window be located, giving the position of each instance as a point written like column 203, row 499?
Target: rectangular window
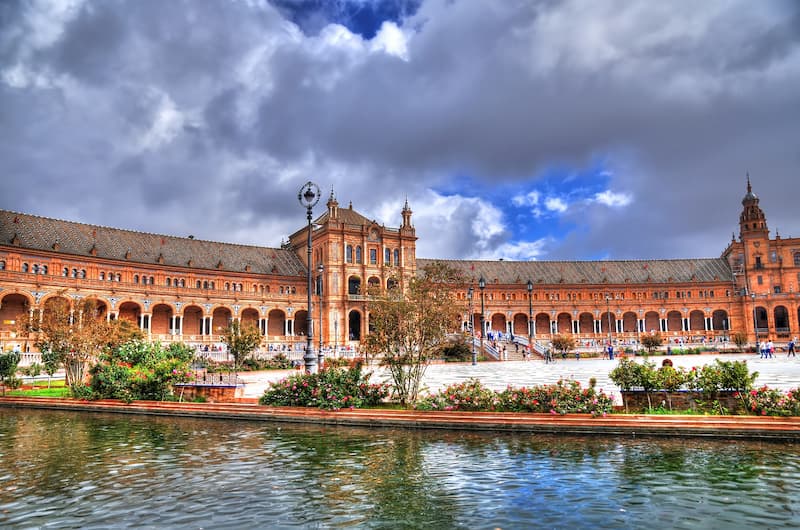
column 773, row 256
column 777, row 289
column 387, row 257
column 373, row 256
column 760, row 280
column 759, row 265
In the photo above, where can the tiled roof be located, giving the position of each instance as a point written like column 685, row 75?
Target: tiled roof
column 42, row 233
column 346, row 216
column 592, row 272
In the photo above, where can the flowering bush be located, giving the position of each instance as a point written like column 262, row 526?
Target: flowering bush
column 765, row 401
column 561, row 398
column 140, row 370
column 331, row 389
column 564, row 397
column 469, row 395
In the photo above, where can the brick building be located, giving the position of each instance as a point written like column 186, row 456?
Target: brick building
column 185, row 289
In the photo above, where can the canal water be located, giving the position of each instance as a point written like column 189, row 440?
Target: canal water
column 78, row 470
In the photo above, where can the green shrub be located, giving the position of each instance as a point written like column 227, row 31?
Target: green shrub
column 458, row 351
column 469, row 395
column 331, row 389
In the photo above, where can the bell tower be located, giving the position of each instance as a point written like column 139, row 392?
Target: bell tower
column 752, row 221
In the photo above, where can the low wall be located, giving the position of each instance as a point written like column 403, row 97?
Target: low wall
column 636, row 400
column 210, row 393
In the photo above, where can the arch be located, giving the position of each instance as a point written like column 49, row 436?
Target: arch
column 220, row 319
column 651, row 322
column 585, row 323
column 130, row 311
column 374, row 282
column 249, row 317
column 161, row 320
column 781, row 316
column 353, row 285
column 674, row 320
column 520, row 326
column 697, row 320
column 12, row 307
column 354, row 325
column 564, row 323
column 607, row 319
column 192, row 320
column 100, row 307
column 301, row 322
column 277, row 322
column 497, row 322
column 719, row 320
column 762, row 320
column 391, row 283
column 542, row 323
column 629, row 322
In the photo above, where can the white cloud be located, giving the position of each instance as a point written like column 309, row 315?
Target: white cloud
column 529, row 199
column 167, row 123
column 519, row 250
column 391, row 40
column 613, row 200
column 555, row 204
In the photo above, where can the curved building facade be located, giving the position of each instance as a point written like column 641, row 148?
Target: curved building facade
column 184, row 289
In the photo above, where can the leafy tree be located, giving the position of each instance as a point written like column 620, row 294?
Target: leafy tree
column 563, row 344
column 51, row 364
column 75, row 334
column 33, row 370
column 740, row 339
column 8, row 369
column 241, row 340
column 651, row 341
column 408, row 327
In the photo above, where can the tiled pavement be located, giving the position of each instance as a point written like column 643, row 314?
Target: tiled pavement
column 778, row 372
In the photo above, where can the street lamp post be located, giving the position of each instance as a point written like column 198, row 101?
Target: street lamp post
column 755, row 322
column 308, row 197
column 530, row 315
column 482, row 286
column 608, row 313
column 320, row 355
column 470, row 291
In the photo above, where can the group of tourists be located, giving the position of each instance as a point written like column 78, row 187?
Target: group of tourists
column 766, row 349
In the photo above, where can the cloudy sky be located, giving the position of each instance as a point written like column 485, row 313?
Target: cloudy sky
column 519, row 129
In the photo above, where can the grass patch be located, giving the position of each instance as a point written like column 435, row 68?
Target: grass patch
column 56, row 392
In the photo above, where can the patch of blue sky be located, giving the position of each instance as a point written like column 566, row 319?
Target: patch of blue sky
column 543, row 207
column 362, row 17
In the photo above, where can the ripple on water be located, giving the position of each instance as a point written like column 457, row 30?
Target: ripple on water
column 86, row 471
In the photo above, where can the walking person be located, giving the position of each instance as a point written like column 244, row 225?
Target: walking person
column 791, row 349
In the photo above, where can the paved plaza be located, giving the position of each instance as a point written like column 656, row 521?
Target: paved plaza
column 780, row 372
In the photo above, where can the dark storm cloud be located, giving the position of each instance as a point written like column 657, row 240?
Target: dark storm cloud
column 205, row 117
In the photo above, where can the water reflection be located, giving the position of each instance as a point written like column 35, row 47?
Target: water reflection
column 71, row 470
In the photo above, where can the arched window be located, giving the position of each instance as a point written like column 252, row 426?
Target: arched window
column 44, row 269
column 205, row 284
column 387, row 257
column 2, row 265
column 211, row 284
column 118, row 277
column 102, row 275
column 74, row 273
column 83, row 273
column 169, row 281
column 152, row 281
column 25, row 267
column 359, row 257
column 35, row 268
column 65, row 272
column 396, row 257
column 227, row 286
column 183, row 282
column 348, row 253
column 135, row 278
column 198, row 285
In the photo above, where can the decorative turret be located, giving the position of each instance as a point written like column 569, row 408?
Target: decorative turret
column 752, row 221
column 406, row 215
column 333, row 206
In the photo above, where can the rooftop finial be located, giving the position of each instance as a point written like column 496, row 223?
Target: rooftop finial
column 749, row 187
column 333, row 194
